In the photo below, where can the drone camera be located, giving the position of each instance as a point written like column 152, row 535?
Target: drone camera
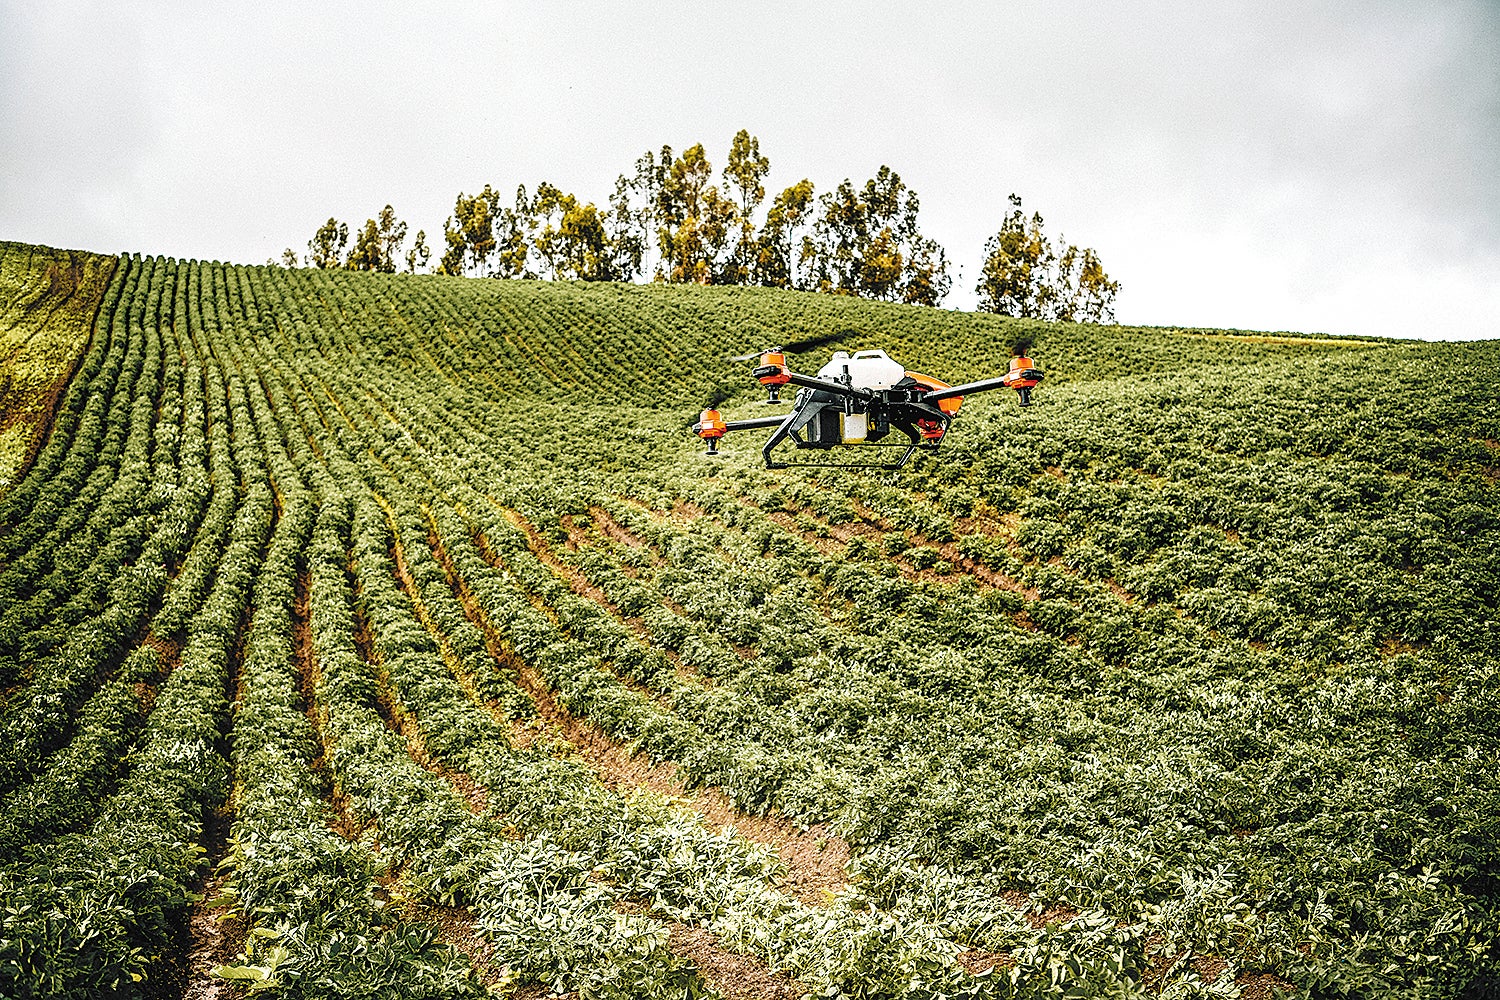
column 931, row 430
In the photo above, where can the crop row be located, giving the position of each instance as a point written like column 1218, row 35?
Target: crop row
column 342, row 551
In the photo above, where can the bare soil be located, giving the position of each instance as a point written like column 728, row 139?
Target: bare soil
column 305, row 663
column 218, row 938
column 579, row 583
column 455, row 926
column 815, row 857
column 614, row 529
column 734, row 976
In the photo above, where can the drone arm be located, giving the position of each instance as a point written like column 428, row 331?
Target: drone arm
column 823, row 384
column 1022, row 377
column 756, row 424
column 967, row 389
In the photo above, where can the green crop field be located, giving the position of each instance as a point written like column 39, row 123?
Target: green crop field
column 47, row 303
column 390, row 635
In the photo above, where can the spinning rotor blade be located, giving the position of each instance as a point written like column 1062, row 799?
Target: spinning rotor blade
column 713, row 401
column 797, row 346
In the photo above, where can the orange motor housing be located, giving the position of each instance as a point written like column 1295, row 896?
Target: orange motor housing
column 776, row 360
column 1023, row 377
column 710, row 425
column 1023, row 374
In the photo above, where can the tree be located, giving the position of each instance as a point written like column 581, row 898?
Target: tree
column 867, row 242
column 392, row 235
column 377, row 243
column 649, row 183
column 628, row 249
column 470, row 234
column 289, row 258
column 1025, row 274
column 776, row 249
column 575, row 240
column 326, row 248
column 366, row 253
column 1088, row 293
column 419, row 254
column 511, row 235
column 695, row 222
column 744, row 173
column 455, row 249
column 545, row 217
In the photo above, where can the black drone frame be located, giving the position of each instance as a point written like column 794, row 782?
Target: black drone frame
column 897, row 408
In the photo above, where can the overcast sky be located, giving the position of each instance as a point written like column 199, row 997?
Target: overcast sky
column 1262, row 165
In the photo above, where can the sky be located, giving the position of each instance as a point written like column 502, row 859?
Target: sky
column 1302, row 166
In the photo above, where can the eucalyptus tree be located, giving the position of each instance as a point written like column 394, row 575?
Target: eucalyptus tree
column 866, row 242
column 1026, row 274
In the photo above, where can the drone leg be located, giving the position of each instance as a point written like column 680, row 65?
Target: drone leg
column 778, row 436
column 713, row 446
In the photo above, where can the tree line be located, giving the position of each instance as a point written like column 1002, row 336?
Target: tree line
column 668, row 219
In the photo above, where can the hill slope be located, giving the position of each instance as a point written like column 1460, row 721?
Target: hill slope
column 412, row 600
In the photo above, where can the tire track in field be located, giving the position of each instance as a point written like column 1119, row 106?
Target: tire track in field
column 833, row 543
column 684, row 514
column 610, row 528
column 214, row 934
column 734, row 976
column 392, row 709
column 871, row 525
column 455, row 926
column 617, row 531
column 580, row 584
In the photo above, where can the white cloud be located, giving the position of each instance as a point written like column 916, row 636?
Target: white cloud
column 1286, row 166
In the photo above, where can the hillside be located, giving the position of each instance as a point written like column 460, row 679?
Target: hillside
column 399, row 623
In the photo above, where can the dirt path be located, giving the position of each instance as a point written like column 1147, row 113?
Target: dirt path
column 216, row 933
column 580, row 584
column 305, row 663
column 617, row 531
column 734, row 976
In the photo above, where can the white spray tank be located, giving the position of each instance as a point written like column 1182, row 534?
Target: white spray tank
column 866, row 369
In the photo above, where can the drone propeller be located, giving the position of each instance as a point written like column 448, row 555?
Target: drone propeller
column 797, row 346
column 713, row 401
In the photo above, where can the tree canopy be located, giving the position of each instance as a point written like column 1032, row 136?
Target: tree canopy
column 866, row 242
column 1026, row 274
column 667, row 220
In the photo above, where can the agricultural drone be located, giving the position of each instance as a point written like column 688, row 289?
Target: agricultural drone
column 857, row 400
